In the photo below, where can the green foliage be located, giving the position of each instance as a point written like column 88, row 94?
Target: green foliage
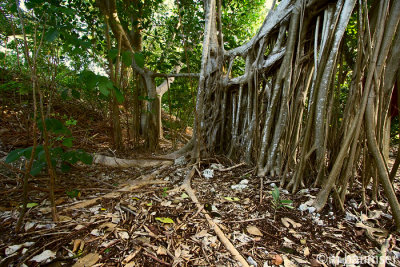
column 73, row 193
column 279, row 203
column 57, row 149
column 74, row 40
column 164, row 219
column 165, row 192
column 139, row 59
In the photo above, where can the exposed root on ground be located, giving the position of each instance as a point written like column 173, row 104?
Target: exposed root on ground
column 126, row 163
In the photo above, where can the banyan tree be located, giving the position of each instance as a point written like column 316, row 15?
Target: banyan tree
column 313, row 106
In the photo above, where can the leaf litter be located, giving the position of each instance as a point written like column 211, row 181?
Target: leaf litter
column 151, row 225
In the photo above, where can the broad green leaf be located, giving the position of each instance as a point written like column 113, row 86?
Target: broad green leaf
column 232, row 198
column 70, row 156
column 286, row 201
column 184, row 195
column 14, row 155
column 41, row 156
column 127, row 58
column 89, row 79
column 27, row 153
column 86, row 158
column 30, row 205
column 67, row 11
column 55, row 126
column 112, row 54
column 56, row 153
column 118, row 95
column 51, row 35
column 68, row 142
column 275, row 193
column 105, row 85
column 65, row 167
column 164, row 219
column 37, row 167
column 139, row 59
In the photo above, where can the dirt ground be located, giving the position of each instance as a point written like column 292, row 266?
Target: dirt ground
column 156, row 223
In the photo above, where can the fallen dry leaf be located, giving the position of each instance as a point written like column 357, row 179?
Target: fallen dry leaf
column 287, row 262
column 251, row 229
column 287, row 222
column 306, row 251
column 123, row 235
column 63, row 218
column 161, row 250
column 315, row 263
column 109, row 226
column 76, row 245
column 89, row 260
column 277, row 260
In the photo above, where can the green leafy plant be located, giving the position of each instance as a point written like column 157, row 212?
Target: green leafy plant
column 75, row 193
column 59, row 154
column 279, row 203
column 165, row 192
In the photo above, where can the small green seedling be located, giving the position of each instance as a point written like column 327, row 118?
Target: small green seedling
column 165, row 192
column 279, row 203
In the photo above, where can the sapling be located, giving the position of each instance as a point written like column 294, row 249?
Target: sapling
column 278, row 203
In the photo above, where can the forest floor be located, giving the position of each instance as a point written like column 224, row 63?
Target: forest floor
column 140, row 216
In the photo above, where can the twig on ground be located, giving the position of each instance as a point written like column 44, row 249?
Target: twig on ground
column 384, row 249
column 243, row 221
column 228, row 245
column 156, row 259
column 231, row 168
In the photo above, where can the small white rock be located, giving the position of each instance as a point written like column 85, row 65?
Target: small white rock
column 311, row 209
column 44, row 256
column 350, row 217
column 303, row 207
column 12, row 249
column 124, row 235
column 251, row 261
column 244, row 181
column 208, row 173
